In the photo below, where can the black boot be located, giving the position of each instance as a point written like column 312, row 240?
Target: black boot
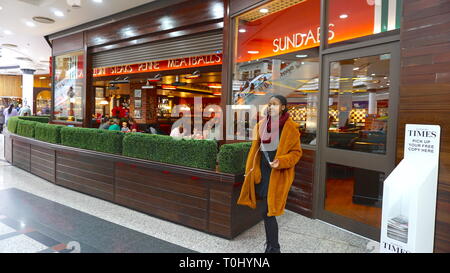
column 271, row 249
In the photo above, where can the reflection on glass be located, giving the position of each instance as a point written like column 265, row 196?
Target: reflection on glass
column 354, row 193
column 358, row 104
column 68, row 87
column 278, row 54
column 43, row 102
column 354, row 20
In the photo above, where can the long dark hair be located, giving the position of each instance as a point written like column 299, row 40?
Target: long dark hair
column 10, row 108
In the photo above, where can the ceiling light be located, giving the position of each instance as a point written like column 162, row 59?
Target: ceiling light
column 264, row 10
column 58, row 13
column 1, row 7
column 343, row 16
column 42, row 78
column 242, row 30
column 373, row 74
column 43, row 20
column 7, row 32
column 356, row 68
column 253, row 52
column 301, row 56
column 30, row 24
column 98, row 1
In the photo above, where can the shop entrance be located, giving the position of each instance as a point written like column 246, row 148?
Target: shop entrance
column 357, row 136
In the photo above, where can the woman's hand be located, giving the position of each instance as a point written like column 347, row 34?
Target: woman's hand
column 275, row 163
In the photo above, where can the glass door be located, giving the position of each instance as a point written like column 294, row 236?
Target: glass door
column 358, row 133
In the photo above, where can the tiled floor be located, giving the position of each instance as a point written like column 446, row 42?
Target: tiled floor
column 37, row 216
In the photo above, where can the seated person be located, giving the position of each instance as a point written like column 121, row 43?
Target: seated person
column 114, row 126
column 105, row 124
column 125, row 128
column 133, row 125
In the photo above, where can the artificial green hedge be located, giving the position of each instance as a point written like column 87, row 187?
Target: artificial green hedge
column 232, row 157
column 92, row 139
column 26, row 128
column 200, row 154
column 12, row 124
column 48, row 132
column 40, row 119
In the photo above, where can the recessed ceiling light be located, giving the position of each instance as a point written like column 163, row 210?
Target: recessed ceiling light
column 9, row 45
column 253, row 52
column 98, row 1
column 356, row 68
column 7, row 32
column 264, row 10
column 44, row 20
column 242, row 30
column 301, row 56
column 58, row 13
column 1, row 7
column 343, row 16
column 30, row 24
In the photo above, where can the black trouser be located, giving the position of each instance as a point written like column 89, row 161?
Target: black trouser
column 271, row 226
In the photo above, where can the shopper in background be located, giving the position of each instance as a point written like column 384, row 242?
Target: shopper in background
column 2, row 118
column 115, row 126
column 9, row 112
column 269, row 170
column 25, row 111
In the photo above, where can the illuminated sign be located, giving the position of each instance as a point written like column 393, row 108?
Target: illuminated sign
column 189, row 62
column 298, row 28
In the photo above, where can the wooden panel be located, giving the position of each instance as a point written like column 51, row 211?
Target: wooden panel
column 180, row 15
column 43, row 163
column 300, row 197
column 69, row 43
column 85, row 174
column 243, row 216
column 8, row 147
column 425, row 91
column 10, row 86
column 197, row 198
column 21, row 155
column 167, row 195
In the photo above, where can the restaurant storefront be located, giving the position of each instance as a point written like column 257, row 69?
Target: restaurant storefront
column 338, row 63
column 342, row 89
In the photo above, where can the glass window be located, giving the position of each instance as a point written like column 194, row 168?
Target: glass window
column 349, row 20
column 276, row 53
column 358, row 104
column 355, row 193
column 69, row 86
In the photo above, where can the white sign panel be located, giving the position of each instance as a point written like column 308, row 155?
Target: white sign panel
column 409, row 195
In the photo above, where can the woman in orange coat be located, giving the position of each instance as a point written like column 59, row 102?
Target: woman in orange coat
column 270, row 167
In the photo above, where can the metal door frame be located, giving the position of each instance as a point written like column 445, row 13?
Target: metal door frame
column 381, row 163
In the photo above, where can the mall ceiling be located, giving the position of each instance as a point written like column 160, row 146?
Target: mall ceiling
column 22, row 42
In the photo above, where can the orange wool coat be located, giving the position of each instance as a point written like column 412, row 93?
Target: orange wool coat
column 288, row 153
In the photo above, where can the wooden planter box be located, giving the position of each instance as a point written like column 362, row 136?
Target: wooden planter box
column 201, row 199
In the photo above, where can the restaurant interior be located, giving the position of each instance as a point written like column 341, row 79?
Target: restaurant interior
column 150, row 98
